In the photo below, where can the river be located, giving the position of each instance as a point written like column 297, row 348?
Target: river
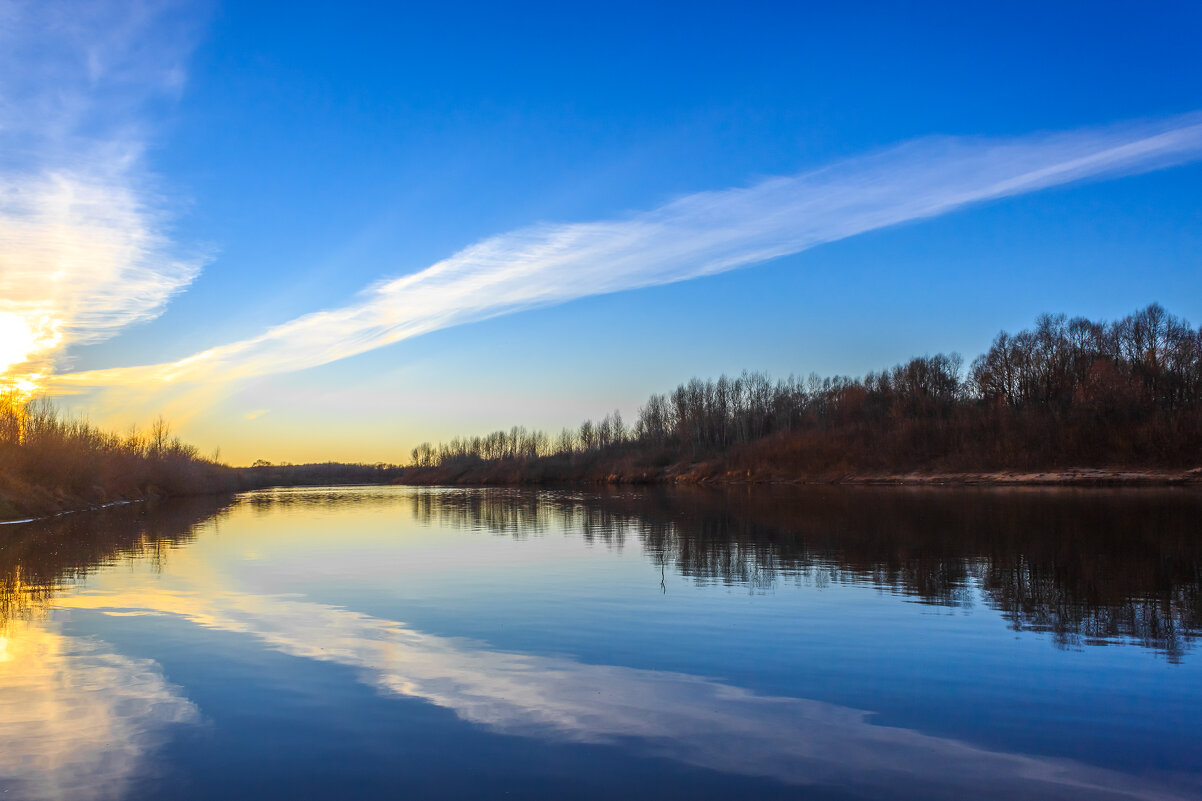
column 370, row 642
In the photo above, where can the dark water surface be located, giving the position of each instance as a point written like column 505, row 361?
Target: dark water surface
column 394, row 642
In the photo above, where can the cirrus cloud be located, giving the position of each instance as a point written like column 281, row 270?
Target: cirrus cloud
column 84, row 250
column 696, row 235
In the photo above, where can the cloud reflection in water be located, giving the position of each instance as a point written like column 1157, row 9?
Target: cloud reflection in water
column 676, row 716
column 77, row 722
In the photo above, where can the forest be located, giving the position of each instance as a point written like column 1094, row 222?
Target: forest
column 1064, row 393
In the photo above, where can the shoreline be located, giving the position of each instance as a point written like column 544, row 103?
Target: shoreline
column 1080, row 477
column 1071, row 477
column 64, row 512
column 1067, row 477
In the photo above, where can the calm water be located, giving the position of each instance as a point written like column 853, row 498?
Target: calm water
column 445, row 643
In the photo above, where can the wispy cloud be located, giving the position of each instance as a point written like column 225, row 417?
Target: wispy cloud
column 697, row 235
column 83, row 249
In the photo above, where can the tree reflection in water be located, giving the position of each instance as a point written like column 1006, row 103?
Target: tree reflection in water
column 1090, row 567
column 39, row 559
column 1087, row 566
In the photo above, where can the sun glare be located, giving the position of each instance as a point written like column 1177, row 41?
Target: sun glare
column 17, row 340
column 20, row 340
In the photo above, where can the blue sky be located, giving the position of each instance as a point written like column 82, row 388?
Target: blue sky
column 287, row 157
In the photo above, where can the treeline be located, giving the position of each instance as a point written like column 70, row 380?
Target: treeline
column 1067, row 392
column 265, row 474
column 521, row 443
column 49, row 462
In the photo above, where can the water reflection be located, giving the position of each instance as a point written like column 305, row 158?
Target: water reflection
column 1088, row 567
column 81, row 721
column 76, row 720
column 40, row 559
column 672, row 715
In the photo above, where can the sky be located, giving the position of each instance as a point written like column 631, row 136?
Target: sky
column 308, row 232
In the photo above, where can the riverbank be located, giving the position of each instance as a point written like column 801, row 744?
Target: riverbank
column 1085, row 477
column 703, row 473
column 37, row 503
column 26, row 501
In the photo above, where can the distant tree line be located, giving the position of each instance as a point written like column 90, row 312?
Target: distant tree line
column 265, row 474
column 1065, row 390
column 520, row 443
column 50, row 462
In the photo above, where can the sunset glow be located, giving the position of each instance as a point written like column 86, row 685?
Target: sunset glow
column 23, row 340
column 633, row 400
column 170, row 244
column 17, row 341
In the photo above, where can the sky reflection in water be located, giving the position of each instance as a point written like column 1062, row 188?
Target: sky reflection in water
column 307, row 574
